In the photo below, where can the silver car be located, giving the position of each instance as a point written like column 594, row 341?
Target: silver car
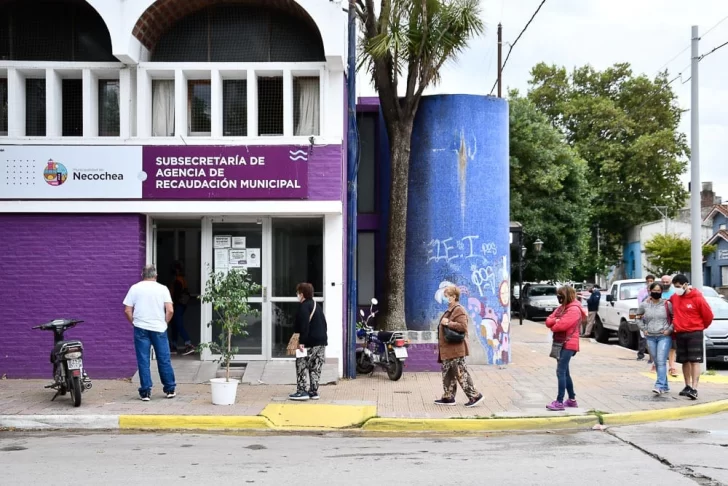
column 716, row 336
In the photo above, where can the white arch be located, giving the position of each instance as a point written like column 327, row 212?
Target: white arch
column 121, row 16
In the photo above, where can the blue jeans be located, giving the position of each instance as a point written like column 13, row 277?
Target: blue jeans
column 563, row 375
column 144, row 340
column 178, row 320
column 659, row 349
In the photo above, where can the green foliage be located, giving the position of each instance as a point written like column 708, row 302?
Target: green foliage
column 670, row 254
column 228, row 293
column 626, row 128
column 549, row 192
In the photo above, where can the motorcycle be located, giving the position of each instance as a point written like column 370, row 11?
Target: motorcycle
column 67, row 359
column 383, row 349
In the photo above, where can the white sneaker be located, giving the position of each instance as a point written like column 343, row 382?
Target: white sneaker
column 171, row 394
column 145, row 398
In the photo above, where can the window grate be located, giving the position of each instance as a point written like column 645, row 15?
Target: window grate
column 235, row 107
column 72, row 107
column 270, row 105
column 199, row 105
column 109, row 124
column 35, row 107
column 3, row 106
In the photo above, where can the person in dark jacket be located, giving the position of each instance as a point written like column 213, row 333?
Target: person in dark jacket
column 311, row 327
column 592, row 305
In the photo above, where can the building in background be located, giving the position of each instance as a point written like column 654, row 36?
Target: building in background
column 209, row 133
column 716, row 265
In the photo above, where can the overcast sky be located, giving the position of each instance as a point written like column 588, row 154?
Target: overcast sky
column 645, row 33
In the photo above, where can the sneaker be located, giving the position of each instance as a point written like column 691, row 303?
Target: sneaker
column 640, row 358
column 145, row 398
column 571, row 403
column 299, row 396
column 657, row 391
column 474, row 401
column 171, row 394
column 313, row 396
column 685, row 391
column 445, row 401
column 693, row 394
column 189, row 349
column 556, row 406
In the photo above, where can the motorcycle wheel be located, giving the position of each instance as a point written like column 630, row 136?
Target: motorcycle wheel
column 76, row 391
column 395, row 368
column 363, row 365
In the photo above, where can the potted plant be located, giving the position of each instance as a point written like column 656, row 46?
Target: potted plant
column 228, row 292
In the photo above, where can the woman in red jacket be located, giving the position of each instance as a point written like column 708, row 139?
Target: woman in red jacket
column 565, row 322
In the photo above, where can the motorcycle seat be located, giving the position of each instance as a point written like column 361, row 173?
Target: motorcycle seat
column 385, row 336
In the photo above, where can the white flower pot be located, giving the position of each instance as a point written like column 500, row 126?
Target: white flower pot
column 223, row 392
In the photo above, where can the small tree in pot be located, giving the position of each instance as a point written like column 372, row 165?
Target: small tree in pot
column 229, row 293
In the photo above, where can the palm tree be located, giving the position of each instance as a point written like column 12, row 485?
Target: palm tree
column 408, row 41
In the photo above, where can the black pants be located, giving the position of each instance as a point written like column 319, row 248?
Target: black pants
column 642, row 348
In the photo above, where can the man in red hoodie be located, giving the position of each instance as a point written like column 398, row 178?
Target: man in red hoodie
column 691, row 315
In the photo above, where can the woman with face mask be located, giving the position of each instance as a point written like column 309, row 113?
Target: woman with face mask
column 657, row 327
column 565, row 322
column 452, row 354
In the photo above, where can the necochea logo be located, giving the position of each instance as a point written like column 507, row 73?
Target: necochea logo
column 55, row 173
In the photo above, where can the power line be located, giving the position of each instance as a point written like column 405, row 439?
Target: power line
column 712, row 51
column 510, row 49
column 716, row 25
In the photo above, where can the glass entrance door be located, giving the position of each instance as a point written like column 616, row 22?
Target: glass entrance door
column 239, row 244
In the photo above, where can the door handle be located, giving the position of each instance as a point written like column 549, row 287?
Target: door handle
column 265, row 294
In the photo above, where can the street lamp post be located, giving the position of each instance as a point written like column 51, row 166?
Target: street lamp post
column 517, row 241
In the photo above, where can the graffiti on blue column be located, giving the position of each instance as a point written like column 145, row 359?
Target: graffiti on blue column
column 481, row 273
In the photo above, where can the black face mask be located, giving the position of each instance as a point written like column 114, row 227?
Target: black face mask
column 560, row 299
column 656, row 295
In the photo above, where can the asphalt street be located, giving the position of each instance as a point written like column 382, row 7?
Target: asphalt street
column 675, row 453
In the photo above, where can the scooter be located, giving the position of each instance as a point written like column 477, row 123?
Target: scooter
column 384, row 349
column 67, row 359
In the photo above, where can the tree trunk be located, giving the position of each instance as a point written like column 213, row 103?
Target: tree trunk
column 400, row 140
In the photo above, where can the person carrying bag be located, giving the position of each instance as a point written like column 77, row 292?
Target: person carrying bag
column 565, row 322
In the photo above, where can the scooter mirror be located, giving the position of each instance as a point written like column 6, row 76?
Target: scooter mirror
column 361, row 311
column 374, row 301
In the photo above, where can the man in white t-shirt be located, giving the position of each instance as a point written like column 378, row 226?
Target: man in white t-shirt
column 148, row 307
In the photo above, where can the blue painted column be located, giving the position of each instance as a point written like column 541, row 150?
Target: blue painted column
column 458, row 219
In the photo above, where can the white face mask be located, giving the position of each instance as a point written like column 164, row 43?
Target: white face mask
column 679, row 291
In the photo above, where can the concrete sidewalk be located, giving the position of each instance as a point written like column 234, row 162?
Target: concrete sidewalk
column 607, row 379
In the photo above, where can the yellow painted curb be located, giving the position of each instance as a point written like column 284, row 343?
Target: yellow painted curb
column 477, row 425
column 678, row 413
column 199, row 422
column 718, row 379
column 318, row 416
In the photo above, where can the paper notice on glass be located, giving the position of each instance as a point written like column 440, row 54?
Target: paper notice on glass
column 221, row 258
column 238, row 259
column 301, row 353
column 239, row 242
column 222, row 241
column 253, row 257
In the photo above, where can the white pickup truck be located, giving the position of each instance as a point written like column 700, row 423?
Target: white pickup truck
column 617, row 309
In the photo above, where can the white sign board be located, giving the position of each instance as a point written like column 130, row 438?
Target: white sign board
column 70, row 172
column 722, row 254
column 238, row 259
column 253, row 257
column 239, row 242
column 222, row 241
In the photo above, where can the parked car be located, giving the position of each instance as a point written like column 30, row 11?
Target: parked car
column 711, row 292
column 539, row 300
column 716, row 336
column 617, row 313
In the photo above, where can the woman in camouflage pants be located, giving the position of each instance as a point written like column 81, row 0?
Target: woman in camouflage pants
column 311, row 326
column 452, row 355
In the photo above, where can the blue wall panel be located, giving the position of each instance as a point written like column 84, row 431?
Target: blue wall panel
column 458, row 219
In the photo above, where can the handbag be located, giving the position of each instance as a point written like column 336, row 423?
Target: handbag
column 293, row 342
column 557, row 347
column 452, row 336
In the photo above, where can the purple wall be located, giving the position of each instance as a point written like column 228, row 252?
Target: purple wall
column 326, row 179
column 422, row 357
column 78, row 266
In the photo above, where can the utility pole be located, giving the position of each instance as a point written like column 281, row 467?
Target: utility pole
column 500, row 59
column 696, row 254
